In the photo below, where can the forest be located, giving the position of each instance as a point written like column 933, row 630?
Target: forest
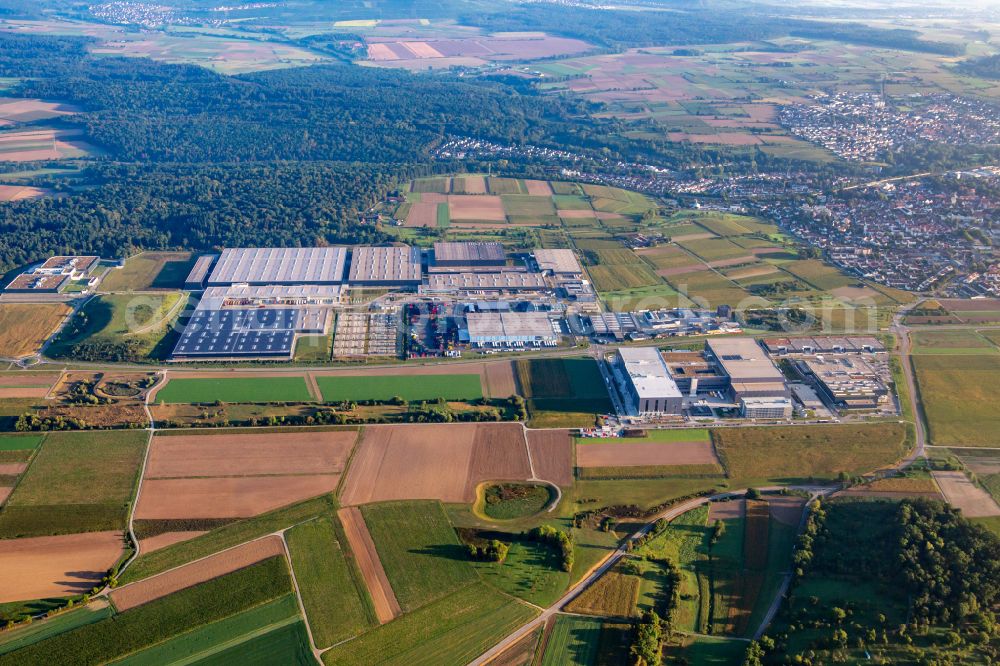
column 912, row 582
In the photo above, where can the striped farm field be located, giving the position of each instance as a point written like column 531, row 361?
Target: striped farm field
column 407, row 387
column 235, row 389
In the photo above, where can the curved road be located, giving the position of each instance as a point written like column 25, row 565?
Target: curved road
column 610, row 561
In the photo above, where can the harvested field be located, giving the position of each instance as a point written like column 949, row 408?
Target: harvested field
column 5, row 492
column 43, row 144
column 786, row 509
column 476, row 207
column 756, row 535
column 734, row 510
column 628, row 454
column 469, row 185
column 27, row 392
column 55, row 566
column 422, row 215
column 24, row 327
column 540, row 188
column 443, row 462
column 552, row 455
column 499, row 454
column 962, row 493
column 12, row 469
column 29, row 110
column 28, row 380
column 500, row 381
column 228, row 497
column 189, row 575
column 250, row 454
column 22, row 192
column 383, row 598
column 167, row 539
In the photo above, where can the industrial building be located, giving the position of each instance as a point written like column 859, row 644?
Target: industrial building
column 561, row 263
column 265, row 333
column 506, row 281
column 648, row 383
column 195, row 280
column 511, row 329
column 824, row 345
column 755, row 382
column 845, row 382
column 53, row 275
column 392, row 266
column 469, row 255
column 255, row 321
column 279, row 266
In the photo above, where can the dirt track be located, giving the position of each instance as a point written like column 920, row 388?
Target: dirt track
column 55, row 566
column 227, row 497
column 166, row 539
column 637, row 454
column 552, row 455
column 189, row 575
column 360, row 541
column 246, row 454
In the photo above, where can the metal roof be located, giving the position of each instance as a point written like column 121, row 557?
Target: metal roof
column 385, row 264
column 558, row 261
column 273, row 265
column 648, row 372
column 457, row 253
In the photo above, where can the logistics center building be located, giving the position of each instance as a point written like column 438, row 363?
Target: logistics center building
column 755, row 382
column 648, row 382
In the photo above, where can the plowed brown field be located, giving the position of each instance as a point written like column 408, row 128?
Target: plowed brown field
column 383, row 598
column 636, row 454
column 552, row 455
column 245, row 455
column 442, row 462
column 192, row 574
column 227, row 497
column 55, row 566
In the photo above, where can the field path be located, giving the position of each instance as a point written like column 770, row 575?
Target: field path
column 317, row 653
column 383, row 597
column 313, row 387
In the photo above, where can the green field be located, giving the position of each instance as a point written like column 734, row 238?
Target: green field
column 150, row 564
column 573, row 641
column 131, row 325
column 451, row 631
column 78, row 482
column 159, row 620
column 216, row 638
column 20, row 442
column 333, row 593
column 671, row 435
column 532, row 572
column 684, row 542
column 150, row 270
column 53, row 626
column 709, row 651
column 420, row 553
column 244, row 389
column 408, row 387
column 563, row 392
column 958, row 398
column 286, row 644
column 957, row 341
column 788, row 454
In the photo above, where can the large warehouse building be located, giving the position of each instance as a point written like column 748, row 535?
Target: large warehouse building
column 469, row 255
column 279, row 266
column 648, row 383
column 755, row 382
column 393, row 266
column 511, row 329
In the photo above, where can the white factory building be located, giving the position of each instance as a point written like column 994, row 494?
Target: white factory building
column 651, row 389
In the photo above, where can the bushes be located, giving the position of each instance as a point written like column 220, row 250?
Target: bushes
column 494, row 551
column 559, row 539
column 648, row 646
